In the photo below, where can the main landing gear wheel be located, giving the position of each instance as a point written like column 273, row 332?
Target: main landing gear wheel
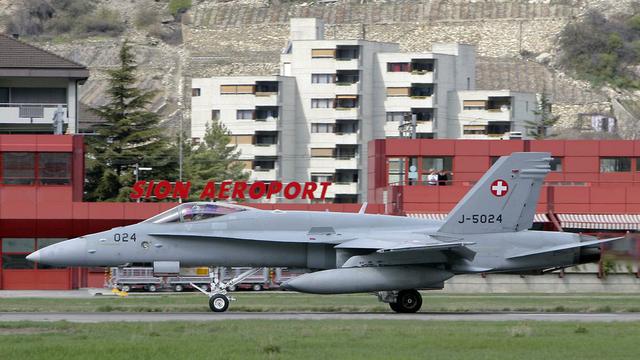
column 219, row 303
column 408, row 301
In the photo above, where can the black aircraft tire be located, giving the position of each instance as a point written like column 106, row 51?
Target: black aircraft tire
column 409, row 301
column 218, row 303
column 394, row 307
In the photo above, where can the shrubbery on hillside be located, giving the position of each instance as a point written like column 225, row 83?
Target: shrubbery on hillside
column 177, row 7
column 54, row 17
column 603, row 50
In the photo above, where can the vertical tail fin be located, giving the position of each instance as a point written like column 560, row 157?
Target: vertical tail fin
column 504, row 199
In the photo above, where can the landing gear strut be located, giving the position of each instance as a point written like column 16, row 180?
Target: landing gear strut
column 403, row 301
column 218, row 299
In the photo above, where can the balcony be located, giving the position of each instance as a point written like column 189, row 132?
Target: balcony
column 266, row 88
column 402, row 101
column 347, row 77
column 346, row 138
column 347, row 52
column 422, row 66
column 266, row 113
column 30, row 113
column 264, row 175
column 343, row 188
column 346, row 157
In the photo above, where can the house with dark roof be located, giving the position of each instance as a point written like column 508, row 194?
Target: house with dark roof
column 36, row 86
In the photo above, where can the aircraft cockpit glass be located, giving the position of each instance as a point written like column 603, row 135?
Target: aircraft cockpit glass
column 190, row 212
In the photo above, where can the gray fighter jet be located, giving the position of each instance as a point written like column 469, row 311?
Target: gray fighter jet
column 391, row 256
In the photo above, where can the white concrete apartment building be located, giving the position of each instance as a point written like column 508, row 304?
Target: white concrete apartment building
column 333, row 96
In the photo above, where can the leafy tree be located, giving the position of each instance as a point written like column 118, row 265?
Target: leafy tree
column 603, row 50
column 538, row 129
column 129, row 135
column 214, row 159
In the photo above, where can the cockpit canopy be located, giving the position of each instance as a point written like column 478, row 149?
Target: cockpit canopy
column 196, row 211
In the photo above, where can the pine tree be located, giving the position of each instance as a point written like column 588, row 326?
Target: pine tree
column 538, row 129
column 214, row 159
column 129, row 135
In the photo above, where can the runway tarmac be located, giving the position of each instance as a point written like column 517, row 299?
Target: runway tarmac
column 155, row 317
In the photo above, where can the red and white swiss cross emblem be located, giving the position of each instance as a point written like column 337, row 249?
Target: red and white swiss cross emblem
column 499, row 188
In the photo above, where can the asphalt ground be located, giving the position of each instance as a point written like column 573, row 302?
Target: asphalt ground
column 450, row 316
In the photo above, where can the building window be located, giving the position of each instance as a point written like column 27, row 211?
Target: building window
column 244, row 114
column 38, row 95
column 474, row 105
column 18, row 168
column 474, row 129
column 322, row 78
column 437, row 170
column 345, row 152
column 322, row 178
column 347, row 52
column 398, row 116
column 498, row 128
column 15, row 251
column 556, row 164
column 266, row 138
column 237, row 89
column 398, row 91
column 425, row 136
column 321, row 128
column 615, row 164
column 323, row 53
column 398, row 67
column 322, row 152
column 4, row 95
column 264, row 164
column 346, row 126
column 54, row 168
column 321, row 103
column 346, row 101
column 396, row 170
column 215, row 115
column 195, row 92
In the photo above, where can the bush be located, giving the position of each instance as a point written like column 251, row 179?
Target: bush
column 101, row 22
column 177, row 7
column 30, row 17
column 57, row 17
column 167, row 34
column 603, row 50
column 146, row 17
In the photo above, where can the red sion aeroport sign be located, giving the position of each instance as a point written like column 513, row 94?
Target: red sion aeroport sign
column 229, row 190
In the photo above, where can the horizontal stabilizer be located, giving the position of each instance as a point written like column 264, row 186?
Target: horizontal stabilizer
column 564, row 247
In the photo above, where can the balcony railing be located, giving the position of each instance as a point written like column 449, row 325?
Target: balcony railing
column 32, row 110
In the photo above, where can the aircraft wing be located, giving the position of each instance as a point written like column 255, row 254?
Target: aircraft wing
column 563, row 247
column 408, row 252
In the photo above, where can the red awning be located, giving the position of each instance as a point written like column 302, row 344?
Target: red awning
column 600, row 221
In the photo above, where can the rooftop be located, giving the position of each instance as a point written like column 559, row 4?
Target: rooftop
column 18, row 58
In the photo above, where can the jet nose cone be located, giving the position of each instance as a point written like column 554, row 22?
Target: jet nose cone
column 67, row 253
column 34, row 256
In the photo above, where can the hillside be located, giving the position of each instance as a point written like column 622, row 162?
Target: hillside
column 516, row 42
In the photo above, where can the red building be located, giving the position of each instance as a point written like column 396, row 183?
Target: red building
column 593, row 184
column 42, row 176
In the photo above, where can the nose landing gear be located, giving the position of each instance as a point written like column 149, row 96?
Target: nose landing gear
column 218, row 299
